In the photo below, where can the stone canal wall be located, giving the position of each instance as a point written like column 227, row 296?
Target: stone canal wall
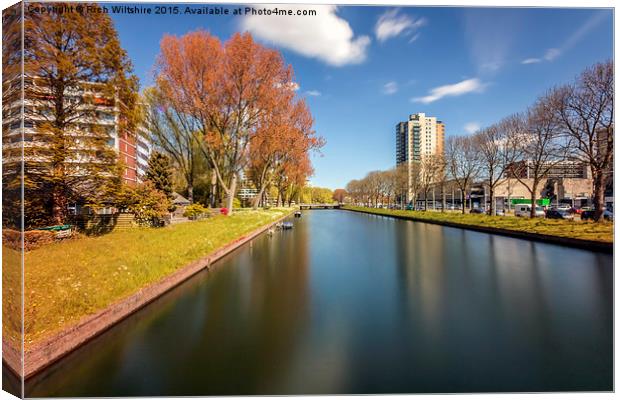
column 61, row 344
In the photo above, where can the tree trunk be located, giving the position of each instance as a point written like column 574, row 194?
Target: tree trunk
column 463, row 201
column 231, row 194
column 190, row 193
column 599, row 195
column 533, row 200
column 443, row 199
column 213, row 187
column 59, row 208
column 258, row 198
column 492, row 197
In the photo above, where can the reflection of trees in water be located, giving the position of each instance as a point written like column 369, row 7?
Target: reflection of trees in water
column 450, row 310
column 501, row 305
column 254, row 314
column 232, row 330
column 420, row 266
column 548, row 316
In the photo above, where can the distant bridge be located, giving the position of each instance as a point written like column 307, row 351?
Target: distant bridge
column 318, row 206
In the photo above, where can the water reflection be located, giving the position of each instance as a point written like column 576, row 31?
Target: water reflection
column 352, row 303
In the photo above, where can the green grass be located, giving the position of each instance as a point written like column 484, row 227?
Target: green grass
column 68, row 280
column 11, row 296
column 586, row 230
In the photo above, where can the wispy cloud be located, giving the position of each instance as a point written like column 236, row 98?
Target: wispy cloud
column 325, row 36
column 552, row 54
column 390, row 88
column 555, row 52
column 489, row 36
column 473, row 85
column 414, row 38
column 471, row 127
column 391, row 24
column 312, row 93
column 531, row 61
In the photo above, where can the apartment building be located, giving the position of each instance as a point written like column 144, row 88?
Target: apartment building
column 102, row 118
column 418, row 137
column 143, row 153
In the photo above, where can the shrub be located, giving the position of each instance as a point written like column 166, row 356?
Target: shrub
column 236, row 203
column 148, row 205
column 32, row 239
column 195, row 211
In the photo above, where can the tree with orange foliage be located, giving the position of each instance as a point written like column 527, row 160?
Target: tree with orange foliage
column 284, row 138
column 229, row 89
column 291, row 181
column 340, row 195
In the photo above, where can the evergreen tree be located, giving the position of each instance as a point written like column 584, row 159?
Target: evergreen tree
column 159, row 173
column 76, row 75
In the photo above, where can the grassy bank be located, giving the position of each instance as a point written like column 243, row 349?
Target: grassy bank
column 602, row 232
column 11, row 296
column 68, row 280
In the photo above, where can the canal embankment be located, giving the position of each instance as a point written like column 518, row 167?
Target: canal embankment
column 585, row 235
column 77, row 289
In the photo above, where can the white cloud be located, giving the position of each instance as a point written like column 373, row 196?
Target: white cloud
column 391, row 24
column 313, row 93
column 457, row 89
column 325, row 36
column 531, row 61
column 552, row 54
column 414, row 38
column 489, row 36
column 390, row 88
column 471, row 127
column 491, row 66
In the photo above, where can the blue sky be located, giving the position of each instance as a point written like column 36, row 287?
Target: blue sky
column 363, row 69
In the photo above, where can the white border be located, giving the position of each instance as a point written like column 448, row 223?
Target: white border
column 458, row 3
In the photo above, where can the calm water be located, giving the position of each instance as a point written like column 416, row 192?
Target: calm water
column 352, row 303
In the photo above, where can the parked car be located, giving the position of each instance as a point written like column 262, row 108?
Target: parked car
column 524, row 210
column 476, row 211
column 575, row 210
column 500, row 211
column 409, row 207
column 589, row 214
column 557, row 213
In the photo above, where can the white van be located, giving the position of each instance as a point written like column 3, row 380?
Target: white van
column 524, row 210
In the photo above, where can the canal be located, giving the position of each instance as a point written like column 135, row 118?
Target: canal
column 355, row 303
